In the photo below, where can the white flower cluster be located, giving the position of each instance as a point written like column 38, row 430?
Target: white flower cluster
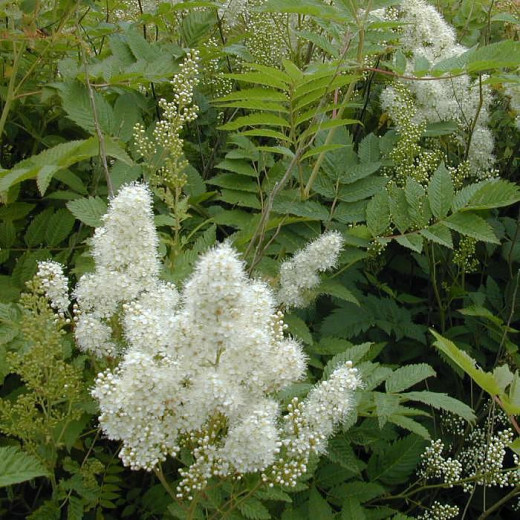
column 435, row 465
column 299, row 275
column 200, row 368
column 54, row 284
column 440, row 511
column 484, row 457
column 125, row 254
column 428, row 39
column 176, row 113
column 480, row 462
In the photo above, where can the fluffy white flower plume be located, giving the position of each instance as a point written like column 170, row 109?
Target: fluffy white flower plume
column 200, row 369
column 54, row 284
column 125, row 254
column 300, row 274
column 427, row 38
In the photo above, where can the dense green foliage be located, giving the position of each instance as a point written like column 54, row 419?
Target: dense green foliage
column 288, row 136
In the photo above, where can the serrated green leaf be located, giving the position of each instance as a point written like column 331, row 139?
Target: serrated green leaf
column 438, row 234
column 304, row 7
column 395, row 464
column 309, row 208
column 362, row 189
column 471, row 225
column 257, row 78
column 77, row 104
column 240, row 166
column 274, row 494
column 442, row 401
column 369, row 149
column 322, row 149
column 59, row 227
column 89, row 210
column 264, row 94
column 341, row 452
column 35, row 233
column 234, row 182
column 354, row 353
column 386, row 405
column 413, row 242
column 467, row 363
column 363, row 491
column 253, row 509
column 378, row 213
column 352, row 509
column 494, row 56
column 495, row 194
column 17, row 466
column 440, row 192
column 409, row 424
column 407, row 376
column 334, row 287
column 399, row 208
column 298, row 328
column 255, row 120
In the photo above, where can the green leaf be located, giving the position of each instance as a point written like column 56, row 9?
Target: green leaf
column 35, row 233
column 89, row 210
column 386, row 405
column 77, row 104
column 395, row 464
column 322, row 149
column 352, row 509
column 413, row 242
column 258, row 78
column 16, row 211
column 409, row 424
column 378, row 213
column 494, row 56
column 318, row 506
column 234, row 182
column 334, row 287
column 253, row 509
column 438, row 234
column 494, row 194
column 362, row 189
column 59, row 227
column 309, row 208
column 407, row 376
column 17, row 466
column 264, row 94
column 440, row 192
column 471, row 225
column 240, row 166
column 341, row 452
column 255, row 120
column 362, row 491
column 442, row 401
column 298, row 328
column 274, row 494
column 141, row 49
column 196, row 25
column 304, row 7
column 369, row 149
column 399, row 208
column 485, row 380
column 354, row 353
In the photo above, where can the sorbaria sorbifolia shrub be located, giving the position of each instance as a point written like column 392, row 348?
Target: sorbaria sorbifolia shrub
column 200, row 368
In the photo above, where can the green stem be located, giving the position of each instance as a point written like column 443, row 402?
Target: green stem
column 346, row 99
column 11, row 87
column 160, row 475
column 500, row 503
